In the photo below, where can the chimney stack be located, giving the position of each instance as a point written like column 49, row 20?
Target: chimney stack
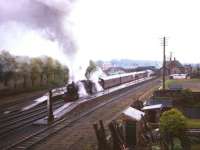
column 170, row 56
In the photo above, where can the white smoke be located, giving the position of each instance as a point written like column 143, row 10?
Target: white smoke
column 94, row 77
column 41, row 25
column 81, row 89
column 46, row 17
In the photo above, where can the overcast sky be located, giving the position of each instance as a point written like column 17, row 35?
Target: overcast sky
column 107, row 29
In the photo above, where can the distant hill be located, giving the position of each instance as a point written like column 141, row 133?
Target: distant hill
column 127, row 63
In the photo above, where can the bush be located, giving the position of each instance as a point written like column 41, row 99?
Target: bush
column 172, row 122
column 172, row 125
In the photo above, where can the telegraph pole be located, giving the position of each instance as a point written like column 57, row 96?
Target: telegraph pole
column 164, row 62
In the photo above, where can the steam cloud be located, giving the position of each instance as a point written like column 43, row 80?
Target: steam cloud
column 44, row 16
column 48, row 18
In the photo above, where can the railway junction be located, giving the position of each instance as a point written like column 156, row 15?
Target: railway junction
column 19, row 131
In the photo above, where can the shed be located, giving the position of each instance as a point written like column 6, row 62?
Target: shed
column 154, row 107
column 150, row 107
column 133, row 113
column 166, row 103
column 132, row 124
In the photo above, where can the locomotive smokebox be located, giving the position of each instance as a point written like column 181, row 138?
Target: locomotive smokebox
column 72, row 92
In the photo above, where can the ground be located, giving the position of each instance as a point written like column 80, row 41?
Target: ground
column 193, row 84
column 20, row 98
column 81, row 136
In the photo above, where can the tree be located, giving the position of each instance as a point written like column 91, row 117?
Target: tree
column 48, row 68
column 65, row 74
column 8, row 64
column 172, row 124
column 24, row 69
column 57, row 70
column 35, row 70
column 1, row 72
column 40, row 69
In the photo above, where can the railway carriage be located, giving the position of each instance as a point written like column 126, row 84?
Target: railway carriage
column 110, row 81
column 126, row 78
column 141, row 74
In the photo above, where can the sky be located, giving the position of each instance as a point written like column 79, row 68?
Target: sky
column 119, row 29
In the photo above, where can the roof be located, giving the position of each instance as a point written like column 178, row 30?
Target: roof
column 164, row 102
column 133, row 113
column 174, row 63
column 121, row 75
column 157, row 106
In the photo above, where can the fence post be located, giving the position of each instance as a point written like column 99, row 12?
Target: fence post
column 49, row 108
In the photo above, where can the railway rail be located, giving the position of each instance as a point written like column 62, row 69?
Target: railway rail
column 15, row 107
column 24, row 118
column 38, row 136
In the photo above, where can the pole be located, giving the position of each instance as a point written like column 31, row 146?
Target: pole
column 49, row 108
column 164, row 63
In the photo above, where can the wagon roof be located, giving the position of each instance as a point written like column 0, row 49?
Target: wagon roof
column 120, row 75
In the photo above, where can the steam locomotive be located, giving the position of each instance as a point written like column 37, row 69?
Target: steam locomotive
column 106, row 82
column 73, row 88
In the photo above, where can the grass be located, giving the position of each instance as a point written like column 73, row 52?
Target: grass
column 179, row 81
column 168, row 83
column 193, row 123
column 195, row 147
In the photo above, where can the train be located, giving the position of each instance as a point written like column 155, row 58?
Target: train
column 115, row 80
column 106, row 83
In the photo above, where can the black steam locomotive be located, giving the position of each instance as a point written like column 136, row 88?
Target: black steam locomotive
column 105, row 82
column 72, row 93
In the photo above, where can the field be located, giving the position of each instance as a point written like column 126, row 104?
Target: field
column 192, row 84
column 195, row 147
column 193, row 123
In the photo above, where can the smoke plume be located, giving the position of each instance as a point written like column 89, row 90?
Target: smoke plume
column 25, row 19
column 47, row 17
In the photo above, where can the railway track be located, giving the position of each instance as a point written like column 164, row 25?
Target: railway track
column 38, row 136
column 39, row 107
column 24, row 118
